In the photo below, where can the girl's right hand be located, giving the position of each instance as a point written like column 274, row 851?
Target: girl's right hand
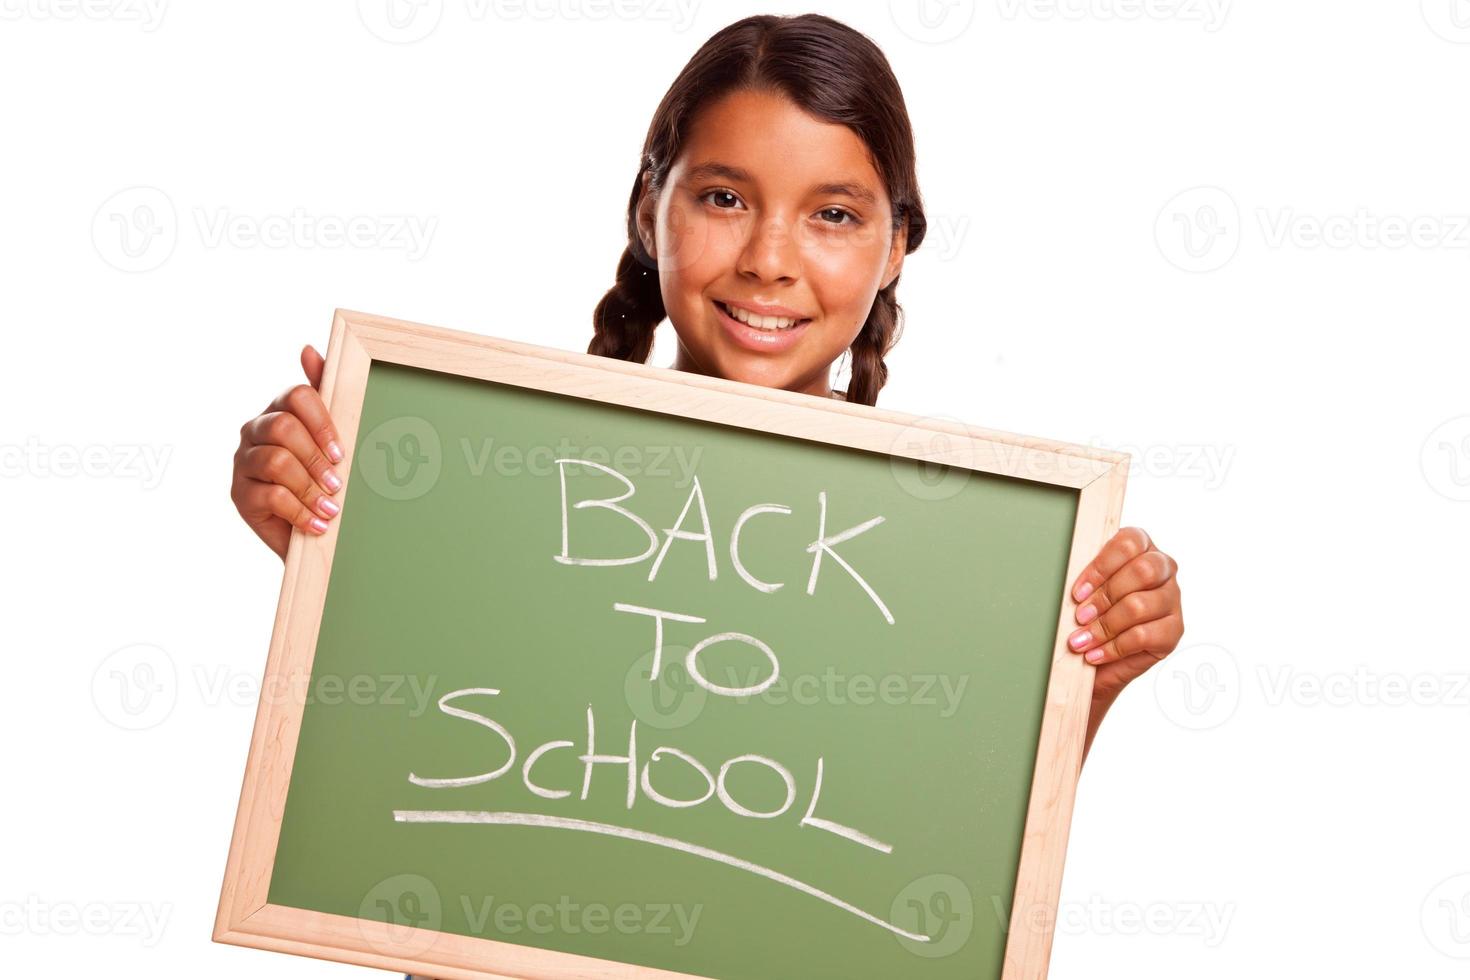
column 283, row 468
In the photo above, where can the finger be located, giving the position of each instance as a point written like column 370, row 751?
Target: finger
column 312, row 363
column 276, row 464
column 1155, row 639
column 276, row 500
column 1128, row 543
column 303, row 402
column 1148, row 571
column 1133, row 609
column 269, row 511
column 286, row 430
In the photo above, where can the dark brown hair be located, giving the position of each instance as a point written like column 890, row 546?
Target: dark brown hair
column 832, row 72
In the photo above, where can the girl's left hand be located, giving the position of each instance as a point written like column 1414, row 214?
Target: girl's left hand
column 1129, row 611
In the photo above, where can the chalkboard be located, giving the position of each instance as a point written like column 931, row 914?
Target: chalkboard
column 607, row 670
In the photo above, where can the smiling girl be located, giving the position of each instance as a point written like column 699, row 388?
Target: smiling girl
column 775, row 201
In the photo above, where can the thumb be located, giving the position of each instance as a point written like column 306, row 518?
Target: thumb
column 312, row 363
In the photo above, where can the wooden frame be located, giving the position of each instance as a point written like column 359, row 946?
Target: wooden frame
column 246, row 918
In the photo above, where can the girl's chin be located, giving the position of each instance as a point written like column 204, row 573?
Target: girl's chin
column 760, row 369
column 716, row 352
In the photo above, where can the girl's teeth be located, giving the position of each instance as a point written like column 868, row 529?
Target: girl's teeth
column 760, row 322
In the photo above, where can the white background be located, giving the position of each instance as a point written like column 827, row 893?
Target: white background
column 1230, row 238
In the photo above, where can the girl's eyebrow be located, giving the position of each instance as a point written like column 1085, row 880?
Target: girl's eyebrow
column 713, row 168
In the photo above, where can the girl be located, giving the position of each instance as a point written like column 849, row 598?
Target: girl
column 775, row 201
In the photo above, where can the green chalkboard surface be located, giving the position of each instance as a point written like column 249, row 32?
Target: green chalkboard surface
column 476, row 600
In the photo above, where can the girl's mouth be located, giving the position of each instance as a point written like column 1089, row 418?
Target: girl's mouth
column 776, row 338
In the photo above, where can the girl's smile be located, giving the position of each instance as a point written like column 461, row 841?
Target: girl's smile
column 775, row 332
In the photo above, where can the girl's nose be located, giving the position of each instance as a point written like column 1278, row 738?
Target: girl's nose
column 771, row 252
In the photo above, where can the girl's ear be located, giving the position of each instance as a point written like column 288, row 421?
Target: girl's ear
column 896, row 253
column 647, row 219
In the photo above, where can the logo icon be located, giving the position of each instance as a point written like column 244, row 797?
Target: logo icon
column 401, row 458
column 136, row 229
column 1445, row 459
column 136, row 687
column 1199, row 229
column 938, row 906
column 1199, row 687
column 1445, row 916
column 1450, row 19
column 670, row 700
column 926, row 479
column 410, row 906
column 932, row 21
column 400, row 21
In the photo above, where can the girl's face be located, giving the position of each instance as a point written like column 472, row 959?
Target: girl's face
column 770, row 207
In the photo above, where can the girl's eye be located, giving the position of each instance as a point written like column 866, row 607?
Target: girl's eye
column 841, row 213
column 727, row 194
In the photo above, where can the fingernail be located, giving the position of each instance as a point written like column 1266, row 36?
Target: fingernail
column 1087, row 614
column 1093, row 656
column 329, row 506
column 334, row 452
column 318, row 525
column 1079, row 639
column 332, row 480
column 1083, row 591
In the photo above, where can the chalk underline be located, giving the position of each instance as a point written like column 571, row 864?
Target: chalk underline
column 509, row 818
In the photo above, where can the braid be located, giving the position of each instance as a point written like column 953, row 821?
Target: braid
column 879, row 334
column 627, row 314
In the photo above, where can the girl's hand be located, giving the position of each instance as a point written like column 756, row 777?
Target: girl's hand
column 1128, row 608
column 283, row 472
